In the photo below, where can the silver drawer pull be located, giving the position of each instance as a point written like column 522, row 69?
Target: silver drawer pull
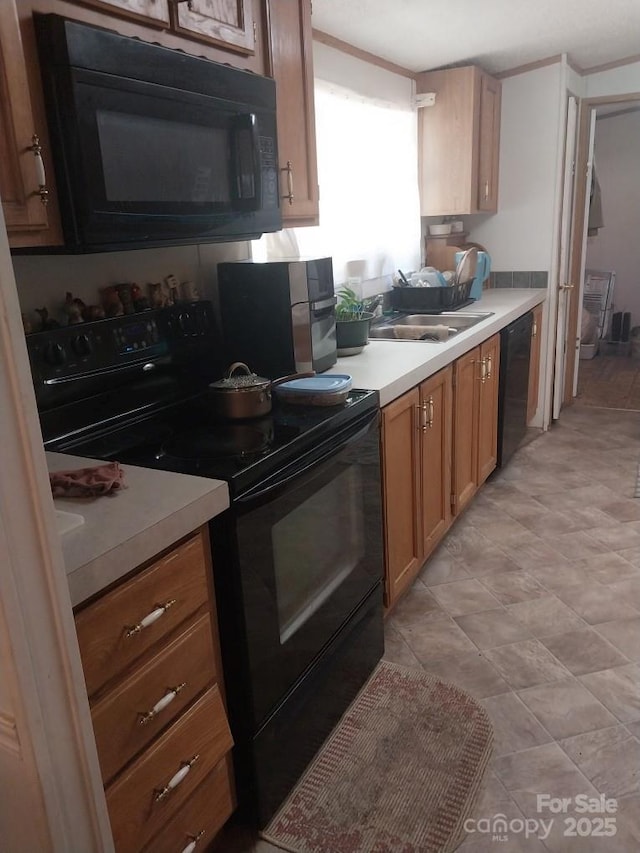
column 192, row 844
column 158, row 611
column 41, row 177
column 161, row 704
column 176, row 779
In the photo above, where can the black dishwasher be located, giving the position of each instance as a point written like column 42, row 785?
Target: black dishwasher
column 513, row 388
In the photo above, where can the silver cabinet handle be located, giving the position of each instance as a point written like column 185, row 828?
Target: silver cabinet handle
column 158, row 611
column 534, row 330
column 489, row 367
column 161, row 704
column 486, row 190
column 567, row 286
column 176, row 779
column 289, row 170
column 424, row 424
column 430, row 419
column 191, row 846
column 41, row 175
column 483, row 370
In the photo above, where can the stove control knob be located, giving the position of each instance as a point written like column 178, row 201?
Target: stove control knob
column 55, row 354
column 81, row 345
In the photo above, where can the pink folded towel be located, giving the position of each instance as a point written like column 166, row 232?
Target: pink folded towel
column 87, row 482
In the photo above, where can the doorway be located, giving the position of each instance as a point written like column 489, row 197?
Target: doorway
column 605, row 370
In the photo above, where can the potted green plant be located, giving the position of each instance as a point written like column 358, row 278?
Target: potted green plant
column 352, row 322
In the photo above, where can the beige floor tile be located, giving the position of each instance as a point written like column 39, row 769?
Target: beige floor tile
column 541, row 770
column 629, row 814
column 477, row 554
column 483, row 839
column 471, row 671
column 610, row 568
column 442, row 568
column 435, row 638
column 513, row 587
column 566, row 708
column 616, row 537
column 515, row 727
column 396, row 649
column 502, row 532
column 546, row 616
column 595, row 602
column 623, row 510
column 526, row 664
column 632, row 555
column 610, row 758
column 586, row 517
column 584, row 651
column 634, row 728
column 593, row 495
column 416, row 606
column 532, row 553
column 555, row 578
column 460, row 597
column 576, row 546
column 629, row 591
column 492, row 628
column 625, row 635
column 618, row 689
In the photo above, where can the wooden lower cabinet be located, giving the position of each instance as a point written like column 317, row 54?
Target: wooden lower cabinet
column 151, row 656
column 416, row 462
column 534, row 364
column 475, row 420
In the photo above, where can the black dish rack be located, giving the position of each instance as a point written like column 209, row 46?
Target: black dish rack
column 431, row 300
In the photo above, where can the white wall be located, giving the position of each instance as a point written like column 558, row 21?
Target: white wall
column 617, row 159
column 520, row 236
column 616, row 81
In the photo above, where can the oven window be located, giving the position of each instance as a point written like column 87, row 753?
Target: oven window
column 193, row 160
column 315, row 547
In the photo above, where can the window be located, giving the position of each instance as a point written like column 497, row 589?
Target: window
column 369, row 207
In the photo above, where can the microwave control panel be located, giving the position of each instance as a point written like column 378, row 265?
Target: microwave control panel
column 269, row 169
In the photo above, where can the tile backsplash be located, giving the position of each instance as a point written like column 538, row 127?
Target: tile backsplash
column 519, row 278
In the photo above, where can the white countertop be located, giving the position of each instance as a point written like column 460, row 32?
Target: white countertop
column 131, row 526
column 393, row 367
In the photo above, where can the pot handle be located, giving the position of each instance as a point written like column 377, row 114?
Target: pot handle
column 236, row 366
column 292, row 376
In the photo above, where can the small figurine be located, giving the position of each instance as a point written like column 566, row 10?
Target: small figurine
column 111, row 302
column 157, row 296
column 172, row 289
column 73, row 308
column 92, row 312
column 190, row 292
column 124, row 292
column 140, row 302
column 46, row 323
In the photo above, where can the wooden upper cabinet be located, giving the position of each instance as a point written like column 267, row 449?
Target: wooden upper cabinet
column 154, row 12
column 25, row 172
column 459, row 140
column 290, row 63
column 228, row 23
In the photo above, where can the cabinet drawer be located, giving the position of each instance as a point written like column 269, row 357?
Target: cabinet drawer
column 137, row 807
column 186, row 664
column 110, row 631
column 202, row 816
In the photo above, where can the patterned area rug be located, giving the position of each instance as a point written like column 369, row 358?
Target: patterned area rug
column 400, row 773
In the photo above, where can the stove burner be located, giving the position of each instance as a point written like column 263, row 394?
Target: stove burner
column 221, row 441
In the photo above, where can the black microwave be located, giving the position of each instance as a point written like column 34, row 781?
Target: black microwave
column 152, row 146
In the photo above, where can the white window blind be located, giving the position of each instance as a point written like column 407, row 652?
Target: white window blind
column 367, row 171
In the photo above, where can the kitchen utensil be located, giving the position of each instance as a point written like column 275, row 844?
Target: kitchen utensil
column 428, row 277
column 317, row 390
column 403, row 278
column 244, row 394
column 467, row 263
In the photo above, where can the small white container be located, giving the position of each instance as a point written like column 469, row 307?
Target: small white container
column 440, row 230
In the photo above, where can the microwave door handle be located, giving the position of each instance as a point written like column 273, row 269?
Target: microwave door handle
column 246, row 160
column 324, row 306
column 283, row 481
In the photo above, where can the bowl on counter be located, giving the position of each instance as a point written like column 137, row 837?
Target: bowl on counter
column 440, row 230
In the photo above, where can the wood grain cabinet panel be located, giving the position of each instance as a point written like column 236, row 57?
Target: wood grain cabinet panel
column 291, row 66
column 202, row 815
column 228, row 23
column 466, row 381
column 146, row 795
column 112, row 633
column 458, row 142
column 21, row 173
column 488, row 409
column 152, row 12
column 435, row 403
column 123, row 720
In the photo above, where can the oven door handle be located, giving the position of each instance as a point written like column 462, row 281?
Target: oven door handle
column 283, row 481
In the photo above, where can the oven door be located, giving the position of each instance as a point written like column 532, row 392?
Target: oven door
column 308, row 547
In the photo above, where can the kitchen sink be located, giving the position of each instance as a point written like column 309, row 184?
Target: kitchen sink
column 435, row 328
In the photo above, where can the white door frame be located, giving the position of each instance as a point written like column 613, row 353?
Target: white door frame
column 52, row 795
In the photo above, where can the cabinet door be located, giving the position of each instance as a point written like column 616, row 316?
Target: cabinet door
column 155, row 12
column 435, row 426
column 466, row 382
column 488, row 408
column 228, row 23
column 291, row 66
column 489, row 143
column 21, row 172
column 534, row 363
column 401, row 490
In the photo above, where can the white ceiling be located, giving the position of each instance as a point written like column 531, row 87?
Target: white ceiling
column 496, row 34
